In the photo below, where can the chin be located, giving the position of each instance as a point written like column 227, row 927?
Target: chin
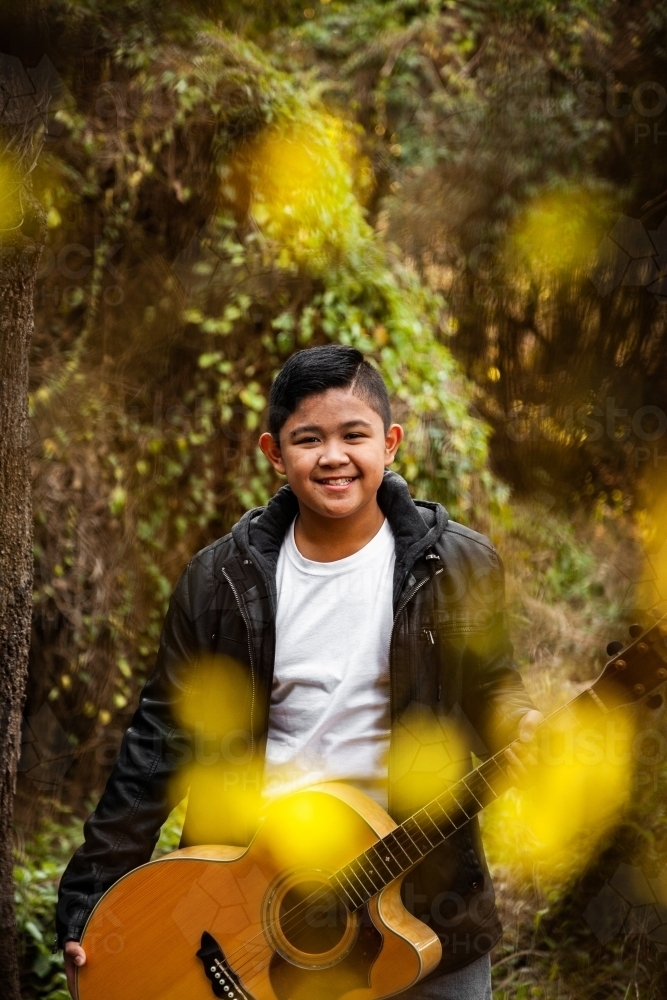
column 335, row 510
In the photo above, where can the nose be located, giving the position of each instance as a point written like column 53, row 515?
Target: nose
column 333, row 453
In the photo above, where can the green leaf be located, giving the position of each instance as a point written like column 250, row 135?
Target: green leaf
column 31, row 927
column 209, row 359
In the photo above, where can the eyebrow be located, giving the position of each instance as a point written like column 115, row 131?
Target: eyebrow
column 314, row 427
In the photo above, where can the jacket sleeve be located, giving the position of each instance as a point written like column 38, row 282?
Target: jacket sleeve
column 144, row 783
column 494, row 697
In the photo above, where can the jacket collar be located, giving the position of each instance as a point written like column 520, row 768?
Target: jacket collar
column 416, row 526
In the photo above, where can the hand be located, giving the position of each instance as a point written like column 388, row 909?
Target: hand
column 75, row 957
column 522, row 754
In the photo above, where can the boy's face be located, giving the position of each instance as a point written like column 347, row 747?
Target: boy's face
column 333, row 450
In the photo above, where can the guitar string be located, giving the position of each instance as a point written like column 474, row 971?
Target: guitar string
column 244, row 968
column 258, row 972
column 310, row 899
column 294, row 914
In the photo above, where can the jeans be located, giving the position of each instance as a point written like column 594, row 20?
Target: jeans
column 472, row 982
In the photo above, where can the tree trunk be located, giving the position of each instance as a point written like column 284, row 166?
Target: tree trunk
column 18, row 264
column 22, row 230
column 23, row 120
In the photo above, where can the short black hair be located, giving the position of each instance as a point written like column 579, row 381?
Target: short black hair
column 316, row 369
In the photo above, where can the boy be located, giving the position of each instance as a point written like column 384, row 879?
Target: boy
column 348, row 606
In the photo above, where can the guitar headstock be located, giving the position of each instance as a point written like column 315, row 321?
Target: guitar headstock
column 635, row 671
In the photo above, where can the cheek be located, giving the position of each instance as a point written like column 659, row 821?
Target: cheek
column 371, row 464
column 300, row 466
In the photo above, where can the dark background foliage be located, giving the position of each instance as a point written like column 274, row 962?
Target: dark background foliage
column 475, row 194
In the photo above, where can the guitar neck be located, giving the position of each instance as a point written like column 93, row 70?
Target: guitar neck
column 630, row 675
column 431, row 825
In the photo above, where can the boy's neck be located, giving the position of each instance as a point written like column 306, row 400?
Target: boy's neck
column 326, row 539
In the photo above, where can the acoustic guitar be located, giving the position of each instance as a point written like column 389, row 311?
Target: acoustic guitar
column 311, row 909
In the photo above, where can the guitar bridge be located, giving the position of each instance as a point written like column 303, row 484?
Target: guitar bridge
column 223, row 983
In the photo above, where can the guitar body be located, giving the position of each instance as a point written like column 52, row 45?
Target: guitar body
column 262, row 922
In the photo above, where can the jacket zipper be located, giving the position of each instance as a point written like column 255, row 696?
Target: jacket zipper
column 252, row 664
column 408, row 597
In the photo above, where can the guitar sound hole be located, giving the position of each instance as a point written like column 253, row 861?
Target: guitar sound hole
column 312, row 918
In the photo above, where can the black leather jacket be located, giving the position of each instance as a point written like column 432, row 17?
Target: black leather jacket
column 451, row 671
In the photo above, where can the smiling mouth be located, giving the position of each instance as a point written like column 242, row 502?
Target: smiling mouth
column 339, row 481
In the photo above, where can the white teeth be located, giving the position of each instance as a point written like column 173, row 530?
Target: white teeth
column 337, row 482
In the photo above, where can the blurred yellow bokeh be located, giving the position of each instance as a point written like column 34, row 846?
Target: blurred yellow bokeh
column 218, row 766
column 559, row 231
column 303, row 184
column 580, row 787
column 650, row 593
column 10, row 196
column 314, row 829
column 429, row 754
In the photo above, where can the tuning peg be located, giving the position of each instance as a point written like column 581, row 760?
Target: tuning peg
column 614, row 647
column 635, row 630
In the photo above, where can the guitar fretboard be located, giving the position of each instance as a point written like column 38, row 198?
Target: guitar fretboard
column 430, row 826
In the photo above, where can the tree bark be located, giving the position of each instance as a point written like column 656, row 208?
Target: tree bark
column 18, row 265
column 22, row 230
column 23, row 119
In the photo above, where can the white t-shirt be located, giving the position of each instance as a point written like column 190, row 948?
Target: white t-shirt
column 329, row 715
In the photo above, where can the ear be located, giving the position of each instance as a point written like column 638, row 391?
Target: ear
column 272, row 452
column 393, row 438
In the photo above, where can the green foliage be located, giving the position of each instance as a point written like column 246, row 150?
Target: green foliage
column 503, row 154
column 549, row 949
column 451, row 85
column 170, row 834
column 39, row 866
column 246, row 179
column 563, row 564
column 571, row 570
column 225, row 209
column 566, row 602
